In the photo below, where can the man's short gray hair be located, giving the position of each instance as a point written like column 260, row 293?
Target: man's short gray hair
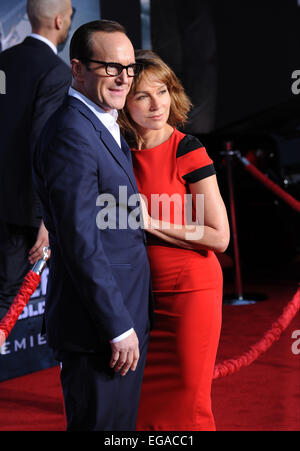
column 41, row 11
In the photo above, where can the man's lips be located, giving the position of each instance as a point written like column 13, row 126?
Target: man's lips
column 118, row 92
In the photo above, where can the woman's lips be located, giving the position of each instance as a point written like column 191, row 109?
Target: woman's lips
column 157, row 117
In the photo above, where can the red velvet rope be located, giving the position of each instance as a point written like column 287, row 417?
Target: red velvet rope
column 28, row 287
column 231, row 366
column 290, row 200
column 222, row 369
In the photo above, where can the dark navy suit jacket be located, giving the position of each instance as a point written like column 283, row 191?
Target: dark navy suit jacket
column 99, row 280
column 37, row 81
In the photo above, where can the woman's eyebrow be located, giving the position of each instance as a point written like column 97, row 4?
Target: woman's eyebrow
column 163, row 85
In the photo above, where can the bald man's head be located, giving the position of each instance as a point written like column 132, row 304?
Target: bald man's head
column 51, row 15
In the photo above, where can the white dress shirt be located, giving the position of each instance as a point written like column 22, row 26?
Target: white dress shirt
column 109, row 120
column 45, row 40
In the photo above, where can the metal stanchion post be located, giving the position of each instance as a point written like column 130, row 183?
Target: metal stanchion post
column 238, row 297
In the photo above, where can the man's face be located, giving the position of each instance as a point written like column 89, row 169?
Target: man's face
column 109, row 92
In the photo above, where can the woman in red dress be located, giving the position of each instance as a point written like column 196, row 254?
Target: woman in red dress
column 172, row 169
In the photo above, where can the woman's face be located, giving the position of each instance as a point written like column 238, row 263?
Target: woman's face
column 149, row 107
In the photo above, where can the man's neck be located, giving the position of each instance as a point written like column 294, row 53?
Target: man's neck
column 83, row 93
column 48, row 35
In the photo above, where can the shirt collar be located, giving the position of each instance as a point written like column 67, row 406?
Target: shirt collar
column 45, row 40
column 109, row 119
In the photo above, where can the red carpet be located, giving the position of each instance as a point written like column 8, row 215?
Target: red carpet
column 32, row 403
column 262, row 397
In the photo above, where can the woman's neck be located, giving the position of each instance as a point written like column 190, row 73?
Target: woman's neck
column 153, row 138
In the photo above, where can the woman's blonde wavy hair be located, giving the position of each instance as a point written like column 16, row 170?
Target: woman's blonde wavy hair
column 152, row 64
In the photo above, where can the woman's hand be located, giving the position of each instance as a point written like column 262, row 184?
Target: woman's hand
column 209, row 232
column 147, row 220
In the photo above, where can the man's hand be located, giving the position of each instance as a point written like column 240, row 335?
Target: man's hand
column 42, row 240
column 125, row 354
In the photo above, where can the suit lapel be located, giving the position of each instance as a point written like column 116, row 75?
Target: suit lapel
column 126, row 149
column 119, row 155
column 122, row 156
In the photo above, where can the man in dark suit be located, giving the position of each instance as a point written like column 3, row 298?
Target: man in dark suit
column 98, row 303
column 36, row 82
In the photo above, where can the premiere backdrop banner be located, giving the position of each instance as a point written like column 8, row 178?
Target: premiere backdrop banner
column 26, row 350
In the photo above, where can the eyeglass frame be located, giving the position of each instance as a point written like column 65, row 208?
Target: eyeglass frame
column 105, row 64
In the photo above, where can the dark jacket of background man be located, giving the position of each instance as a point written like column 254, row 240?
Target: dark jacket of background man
column 37, row 81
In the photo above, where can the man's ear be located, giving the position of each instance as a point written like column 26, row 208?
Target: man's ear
column 78, row 69
column 58, row 22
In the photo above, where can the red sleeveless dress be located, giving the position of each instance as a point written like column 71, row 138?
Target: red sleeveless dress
column 187, row 286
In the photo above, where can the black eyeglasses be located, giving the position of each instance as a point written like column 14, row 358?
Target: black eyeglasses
column 115, row 69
